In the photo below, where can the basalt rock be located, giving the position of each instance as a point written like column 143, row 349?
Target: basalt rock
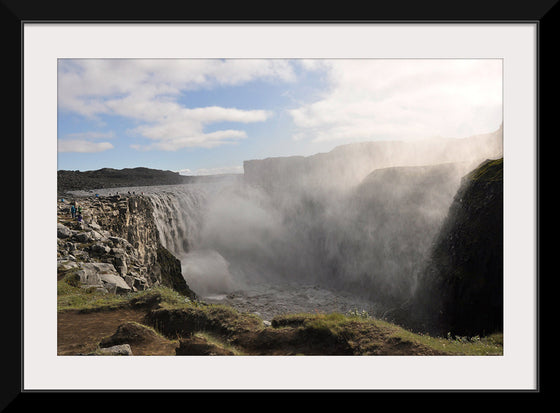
column 460, row 290
column 116, row 246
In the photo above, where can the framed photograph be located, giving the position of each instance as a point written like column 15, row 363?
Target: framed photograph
column 276, row 104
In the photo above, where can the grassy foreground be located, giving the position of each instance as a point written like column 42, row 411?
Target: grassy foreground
column 228, row 331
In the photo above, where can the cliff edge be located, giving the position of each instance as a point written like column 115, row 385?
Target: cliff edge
column 460, row 290
column 115, row 247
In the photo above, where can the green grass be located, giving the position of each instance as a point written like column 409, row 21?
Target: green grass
column 491, row 170
column 353, row 326
column 81, row 299
column 360, row 325
column 218, row 342
column 467, row 346
column 72, row 297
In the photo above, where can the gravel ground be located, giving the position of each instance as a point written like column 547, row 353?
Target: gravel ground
column 268, row 300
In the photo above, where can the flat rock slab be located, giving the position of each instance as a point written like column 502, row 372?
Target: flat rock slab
column 100, row 274
column 119, row 350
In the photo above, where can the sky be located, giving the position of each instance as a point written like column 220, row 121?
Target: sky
column 207, row 116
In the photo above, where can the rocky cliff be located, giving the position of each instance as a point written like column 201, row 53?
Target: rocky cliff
column 460, row 290
column 116, row 246
column 346, row 165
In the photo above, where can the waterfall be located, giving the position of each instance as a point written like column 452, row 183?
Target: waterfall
column 178, row 213
column 183, row 214
column 370, row 240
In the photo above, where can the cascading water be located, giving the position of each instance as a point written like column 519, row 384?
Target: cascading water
column 285, row 253
column 180, row 215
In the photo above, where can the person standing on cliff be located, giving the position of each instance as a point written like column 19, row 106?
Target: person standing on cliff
column 73, row 211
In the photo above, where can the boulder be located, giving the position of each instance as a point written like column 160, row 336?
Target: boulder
column 66, row 265
column 120, row 350
column 136, row 282
column 83, row 237
column 114, row 283
column 97, row 236
column 102, row 275
column 120, row 263
column 100, row 249
column 62, row 231
column 94, row 226
column 118, row 241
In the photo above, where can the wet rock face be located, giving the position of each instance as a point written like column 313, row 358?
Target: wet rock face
column 461, row 290
column 115, row 247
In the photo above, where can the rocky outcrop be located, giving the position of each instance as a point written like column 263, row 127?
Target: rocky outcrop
column 460, row 290
column 167, row 270
column 115, row 247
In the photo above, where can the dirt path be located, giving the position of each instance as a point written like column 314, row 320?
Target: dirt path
column 80, row 333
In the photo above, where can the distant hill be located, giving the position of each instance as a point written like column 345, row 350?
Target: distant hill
column 116, row 178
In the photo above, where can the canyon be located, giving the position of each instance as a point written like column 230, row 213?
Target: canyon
column 368, row 226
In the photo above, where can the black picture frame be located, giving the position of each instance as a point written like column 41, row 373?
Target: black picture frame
column 16, row 13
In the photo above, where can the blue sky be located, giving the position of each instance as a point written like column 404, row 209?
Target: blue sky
column 200, row 116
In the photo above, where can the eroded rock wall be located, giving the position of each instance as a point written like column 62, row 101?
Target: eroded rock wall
column 116, row 246
column 461, row 287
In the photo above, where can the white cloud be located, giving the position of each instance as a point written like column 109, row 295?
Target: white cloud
column 184, row 140
column 91, row 135
column 400, row 99
column 182, row 128
column 83, row 146
column 366, row 98
column 147, row 91
column 219, row 114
